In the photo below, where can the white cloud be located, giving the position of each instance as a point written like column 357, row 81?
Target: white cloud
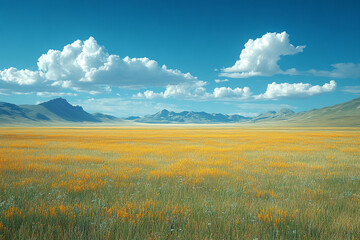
column 14, row 81
column 260, row 57
column 227, row 92
column 20, row 77
column 221, row 80
column 341, row 70
column 196, row 91
column 86, row 66
column 275, row 90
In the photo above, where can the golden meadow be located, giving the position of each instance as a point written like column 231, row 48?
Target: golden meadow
column 179, row 183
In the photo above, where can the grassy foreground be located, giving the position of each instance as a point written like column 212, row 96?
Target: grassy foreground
column 179, row 183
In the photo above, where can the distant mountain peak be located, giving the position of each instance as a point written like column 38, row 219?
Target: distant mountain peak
column 164, row 111
column 59, row 99
column 65, row 110
column 285, row 111
column 58, row 102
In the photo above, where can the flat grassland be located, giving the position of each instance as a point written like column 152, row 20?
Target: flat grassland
column 179, row 183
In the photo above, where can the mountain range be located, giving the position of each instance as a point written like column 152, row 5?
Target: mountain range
column 165, row 116
column 59, row 112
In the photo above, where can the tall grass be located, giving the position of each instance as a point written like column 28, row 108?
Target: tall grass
column 179, row 183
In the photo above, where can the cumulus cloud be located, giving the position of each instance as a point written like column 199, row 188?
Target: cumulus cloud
column 87, row 66
column 20, row 77
column 341, row 70
column 275, row 90
column 260, row 57
column 196, row 91
column 227, row 92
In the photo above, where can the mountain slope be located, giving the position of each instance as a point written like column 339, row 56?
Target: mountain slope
column 55, row 111
column 68, row 112
column 340, row 115
column 344, row 114
column 10, row 112
column 283, row 113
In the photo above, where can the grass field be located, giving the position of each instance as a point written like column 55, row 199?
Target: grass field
column 179, row 183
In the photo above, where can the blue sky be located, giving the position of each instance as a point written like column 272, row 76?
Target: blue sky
column 108, row 56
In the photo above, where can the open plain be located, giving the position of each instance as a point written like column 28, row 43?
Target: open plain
column 177, row 182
